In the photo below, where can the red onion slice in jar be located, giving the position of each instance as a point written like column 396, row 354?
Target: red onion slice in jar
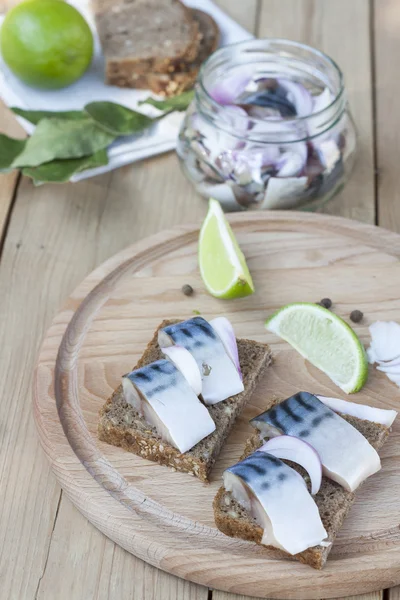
column 322, row 101
column 227, row 91
column 299, row 96
column 224, row 329
column 288, row 447
column 292, row 161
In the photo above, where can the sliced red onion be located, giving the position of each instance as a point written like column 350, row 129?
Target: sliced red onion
column 395, row 362
column 293, row 161
column 389, row 367
column 288, row 447
column 385, row 342
column 227, row 91
column 322, row 101
column 245, row 166
column 329, row 154
column 186, row 364
column 224, row 329
column 299, row 96
column 236, row 118
column 361, row 411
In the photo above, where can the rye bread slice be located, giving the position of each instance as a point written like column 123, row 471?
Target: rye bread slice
column 121, row 425
column 332, row 500
column 139, row 36
column 181, row 80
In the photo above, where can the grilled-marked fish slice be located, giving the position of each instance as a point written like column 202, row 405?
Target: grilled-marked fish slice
column 346, row 456
column 161, row 394
column 278, row 499
column 220, row 378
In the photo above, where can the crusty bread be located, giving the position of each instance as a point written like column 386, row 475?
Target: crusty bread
column 184, row 79
column 120, row 424
column 141, row 36
column 332, row 500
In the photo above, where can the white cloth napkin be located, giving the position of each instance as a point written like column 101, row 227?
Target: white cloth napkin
column 91, row 87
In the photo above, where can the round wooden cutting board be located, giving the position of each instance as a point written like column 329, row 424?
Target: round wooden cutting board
column 164, row 517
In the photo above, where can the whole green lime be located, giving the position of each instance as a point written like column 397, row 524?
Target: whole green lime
column 46, row 43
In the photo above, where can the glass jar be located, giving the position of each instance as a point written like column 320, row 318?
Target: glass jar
column 269, row 127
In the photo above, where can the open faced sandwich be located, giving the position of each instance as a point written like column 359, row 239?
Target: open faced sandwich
column 180, row 402
column 293, row 492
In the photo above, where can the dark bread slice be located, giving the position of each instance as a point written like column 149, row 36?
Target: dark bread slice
column 332, row 500
column 120, row 424
column 139, row 36
column 179, row 81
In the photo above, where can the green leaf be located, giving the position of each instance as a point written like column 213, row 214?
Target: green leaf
column 180, row 102
column 60, row 138
column 60, row 171
column 34, row 116
column 10, row 148
column 117, row 119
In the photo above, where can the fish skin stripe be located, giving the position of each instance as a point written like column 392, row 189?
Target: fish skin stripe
column 186, row 332
column 285, row 407
column 273, row 417
column 303, row 403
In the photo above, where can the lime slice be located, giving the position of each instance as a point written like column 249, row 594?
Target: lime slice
column 325, row 340
column 222, row 264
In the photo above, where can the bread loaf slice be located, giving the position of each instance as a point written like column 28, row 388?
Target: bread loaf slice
column 181, row 80
column 121, row 425
column 333, row 502
column 141, row 36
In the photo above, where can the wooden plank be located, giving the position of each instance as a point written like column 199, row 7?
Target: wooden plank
column 244, row 13
column 225, row 596
column 341, row 29
column 113, row 574
column 56, row 236
column 387, row 46
column 11, row 127
column 317, row 22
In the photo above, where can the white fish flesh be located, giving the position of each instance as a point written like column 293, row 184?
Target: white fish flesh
column 220, row 378
column 161, row 394
column 346, row 456
column 277, row 497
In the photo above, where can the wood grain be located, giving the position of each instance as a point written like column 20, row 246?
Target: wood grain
column 225, row 596
column 57, row 235
column 342, row 30
column 143, row 508
column 8, row 182
column 387, row 45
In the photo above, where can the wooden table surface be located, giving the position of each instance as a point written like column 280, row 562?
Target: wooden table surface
column 53, row 236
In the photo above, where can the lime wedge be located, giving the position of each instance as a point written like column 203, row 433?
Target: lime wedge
column 325, row 340
column 222, row 264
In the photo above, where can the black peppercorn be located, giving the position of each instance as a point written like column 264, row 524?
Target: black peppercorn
column 325, row 302
column 187, row 289
column 356, row 316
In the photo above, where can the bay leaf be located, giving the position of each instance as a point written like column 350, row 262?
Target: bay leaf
column 60, row 171
column 179, row 103
column 117, row 119
column 60, row 138
column 34, row 116
column 10, row 148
